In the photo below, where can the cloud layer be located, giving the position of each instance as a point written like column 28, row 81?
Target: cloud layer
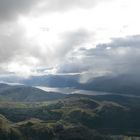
column 11, row 9
column 120, row 56
column 71, row 42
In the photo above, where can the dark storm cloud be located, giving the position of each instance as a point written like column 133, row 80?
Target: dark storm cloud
column 120, row 56
column 10, row 9
column 129, row 41
column 73, row 67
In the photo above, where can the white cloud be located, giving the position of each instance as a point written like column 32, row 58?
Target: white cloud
column 38, row 34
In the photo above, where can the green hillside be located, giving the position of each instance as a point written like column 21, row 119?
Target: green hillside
column 75, row 117
column 21, row 93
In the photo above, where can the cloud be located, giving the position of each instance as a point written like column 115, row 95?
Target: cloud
column 10, row 9
column 120, row 56
column 72, row 40
column 69, row 53
column 15, row 48
column 23, row 56
column 128, row 41
column 10, row 43
column 63, row 5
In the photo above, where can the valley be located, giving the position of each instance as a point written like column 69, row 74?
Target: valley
column 39, row 115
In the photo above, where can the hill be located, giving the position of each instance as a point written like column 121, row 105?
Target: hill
column 30, row 113
column 77, row 116
column 21, row 93
column 123, row 84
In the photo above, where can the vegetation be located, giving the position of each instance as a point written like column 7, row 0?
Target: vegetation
column 75, row 117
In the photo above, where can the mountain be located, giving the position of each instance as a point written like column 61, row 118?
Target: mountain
column 52, row 80
column 21, row 93
column 75, row 117
column 122, row 84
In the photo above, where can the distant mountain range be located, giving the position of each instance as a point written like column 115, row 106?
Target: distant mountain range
column 21, row 93
column 53, row 80
column 123, row 84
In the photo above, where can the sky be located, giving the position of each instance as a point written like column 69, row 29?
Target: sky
column 87, row 37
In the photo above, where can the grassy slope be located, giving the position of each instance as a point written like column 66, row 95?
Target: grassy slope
column 21, row 93
column 75, row 117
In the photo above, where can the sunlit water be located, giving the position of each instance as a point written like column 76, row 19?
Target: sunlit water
column 84, row 92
